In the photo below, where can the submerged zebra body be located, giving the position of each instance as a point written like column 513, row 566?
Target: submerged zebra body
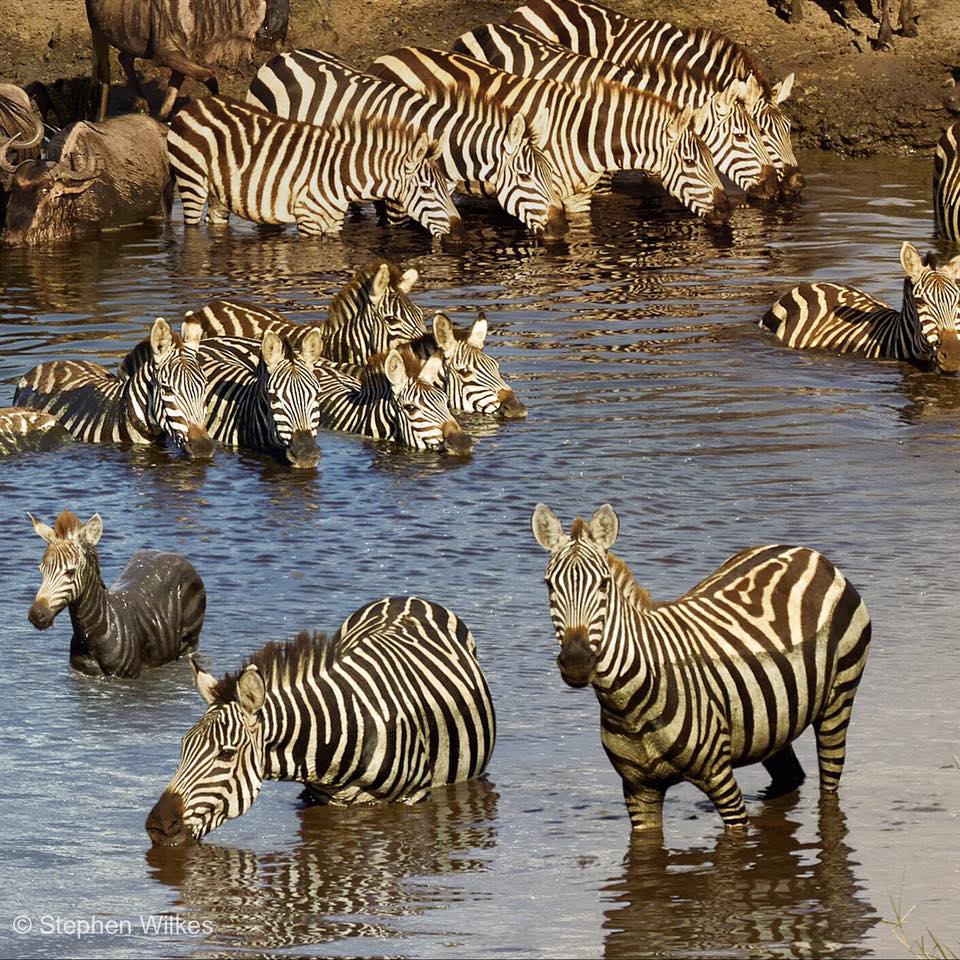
column 152, row 614
column 589, row 129
column 946, row 184
column 722, row 121
column 392, row 705
column 731, row 673
column 156, row 396
column 481, row 141
column 597, row 31
column 24, row 429
column 240, row 159
column 831, row 316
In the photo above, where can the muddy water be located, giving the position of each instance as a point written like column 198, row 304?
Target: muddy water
column 650, row 386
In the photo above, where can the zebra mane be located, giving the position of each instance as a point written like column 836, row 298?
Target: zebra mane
column 637, row 596
column 136, row 359
column 931, row 260
column 339, row 312
column 744, row 61
column 308, row 652
column 67, row 524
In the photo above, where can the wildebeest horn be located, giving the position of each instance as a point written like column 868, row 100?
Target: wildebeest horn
column 91, row 168
column 5, row 145
column 25, row 119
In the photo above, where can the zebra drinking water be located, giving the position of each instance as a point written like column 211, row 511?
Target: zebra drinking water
column 151, row 615
column 158, row 394
column 946, row 184
column 240, row 159
column 729, row 674
column 832, row 316
column 392, row 705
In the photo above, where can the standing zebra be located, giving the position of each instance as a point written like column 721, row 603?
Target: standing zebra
column 723, row 123
column 243, row 160
column 391, row 706
column 24, row 429
column 481, row 140
column 151, row 615
column 946, row 184
column 594, row 30
column 591, row 129
column 262, row 394
column 832, row 316
column 157, row 395
column 730, row 674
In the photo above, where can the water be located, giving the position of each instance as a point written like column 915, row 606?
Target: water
column 650, row 386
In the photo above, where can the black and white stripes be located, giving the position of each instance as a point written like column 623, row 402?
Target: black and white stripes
column 946, row 184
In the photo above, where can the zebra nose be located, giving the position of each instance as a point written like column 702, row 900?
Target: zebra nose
column 792, row 182
column 455, row 441
column 557, row 223
column 303, row 452
column 721, row 209
column 948, row 356
column 164, row 823
column 200, row 445
column 510, row 407
column 457, row 230
column 769, row 186
column 40, row 615
column 577, row 661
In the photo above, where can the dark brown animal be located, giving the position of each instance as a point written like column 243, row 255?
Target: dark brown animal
column 184, row 35
column 21, row 135
column 96, row 175
column 847, row 10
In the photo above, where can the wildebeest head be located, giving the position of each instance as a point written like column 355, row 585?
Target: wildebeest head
column 273, row 31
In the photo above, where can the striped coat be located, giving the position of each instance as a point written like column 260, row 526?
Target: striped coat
column 24, row 429
column 392, row 705
column 946, row 184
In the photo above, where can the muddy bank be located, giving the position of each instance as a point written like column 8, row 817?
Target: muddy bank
column 850, row 96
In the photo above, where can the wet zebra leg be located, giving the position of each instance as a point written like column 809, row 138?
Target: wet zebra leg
column 644, row 805
column 785, row 771
column 724, row 792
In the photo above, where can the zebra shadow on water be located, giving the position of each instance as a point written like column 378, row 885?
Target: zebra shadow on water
column 770, row 893
column 931, row 399
column 355, row 872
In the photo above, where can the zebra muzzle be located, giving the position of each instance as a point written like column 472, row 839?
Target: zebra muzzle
column 40, row 615
column 948, row 353
column 455, row 441
column 199, row 445
column 303, row 452
column 576, row 661
column 557, row 224
column 768, row 187
column 792, row 181
column 164, row 823
column 721, row 209
column 510, row 407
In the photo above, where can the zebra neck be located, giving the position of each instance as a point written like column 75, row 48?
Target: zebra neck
column 914, row 342
column 625, row 667
column 368, row 409
column 90, row 615
column 136, row 394
column 630, row 131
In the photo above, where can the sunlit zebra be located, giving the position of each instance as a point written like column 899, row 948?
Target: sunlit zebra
column 24, row 429
column 729, row 674
column 946, row 184
column 832, row 316
column 597, row 31
column 157, row 395
column 237, row 158
column 391, row 706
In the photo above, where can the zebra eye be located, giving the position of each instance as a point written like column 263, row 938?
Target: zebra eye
column 226, row 754
column 463, row 373
column 71, row 572
column 410, row 408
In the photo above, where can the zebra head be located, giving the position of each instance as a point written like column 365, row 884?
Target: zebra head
column 688, row 172
column 579, row 583
column 68, row 564
column 422, row 419
column 178, row 384
column 736, row 143
column 290, row 390
column 774, row 125
column 931, row 305
column 472, row 378
column 221, row 761
column 423, row 190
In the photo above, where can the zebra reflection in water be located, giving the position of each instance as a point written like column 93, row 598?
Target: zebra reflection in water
column 347, row 877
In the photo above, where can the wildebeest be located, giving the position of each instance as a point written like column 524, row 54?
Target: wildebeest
column 792, row 10
column 95, row 175
column 20, row 130
column 181, row 35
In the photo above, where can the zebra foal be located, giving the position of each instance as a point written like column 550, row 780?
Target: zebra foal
column 832, row 316
column 240, row 159
column 729, row 674
column 151, row 615
column 946, row 184
column 392, row 705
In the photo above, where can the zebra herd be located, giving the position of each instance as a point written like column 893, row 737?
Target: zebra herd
column 537, row 113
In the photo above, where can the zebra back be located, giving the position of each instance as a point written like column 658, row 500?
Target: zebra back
column 946, row 184
column 24, row 429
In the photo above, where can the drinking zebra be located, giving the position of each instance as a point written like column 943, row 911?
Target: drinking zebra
column 481, row 140
column 590, row 129
column 946, row 184
column 594, row 30
column 392, row 705
column 158, row 394
column 730, row 674
column 151, row 615
column 832, row 316
column 723, row 123
column 240, row 159
column 25, row 429
column 262, row 394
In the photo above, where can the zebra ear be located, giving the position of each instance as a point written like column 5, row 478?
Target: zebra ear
column 752, row 91
column 430, row 371
column 478, row 332
column 380, row 283
column 251, row 691
column 407, row 280
column 680, row 122
column 190, row 333
column 952, row 268
column 42, row 530
column 604, row 527
column 92, row 530
column 395, row 370
column 271, row 348
column 782, row 90
column 161, row 338
column 910, row 260
column 538, row 129
column 418, row 153
column 443, row 333
column 547, row 529
column 205, row 683
column 514, row 137
column 311, row 349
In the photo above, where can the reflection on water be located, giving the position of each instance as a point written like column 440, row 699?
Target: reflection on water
column 781, row 891
column 354, row 872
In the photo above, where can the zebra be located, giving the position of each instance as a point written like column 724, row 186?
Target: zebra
column 151, row 615
column 24, row 429
column 157, row 395
column 729, row 131
column 832, row 316
column 591, row 129
column 946, row 184
column 243, row 160
column 262, row 395
column 729, row 674
column 594, row 30
column 395, row 398
column 391, row 706
column 482, row 141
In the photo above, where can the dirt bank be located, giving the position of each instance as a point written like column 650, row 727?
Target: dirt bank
column 848, row 97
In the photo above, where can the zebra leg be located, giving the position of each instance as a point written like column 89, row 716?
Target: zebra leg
column 217, row 210
column 644, row 805
column 785, row 772
column 316, row 222
column 831, row 727
column 721, row 787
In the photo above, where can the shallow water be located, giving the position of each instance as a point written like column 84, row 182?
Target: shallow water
column 650, row 386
